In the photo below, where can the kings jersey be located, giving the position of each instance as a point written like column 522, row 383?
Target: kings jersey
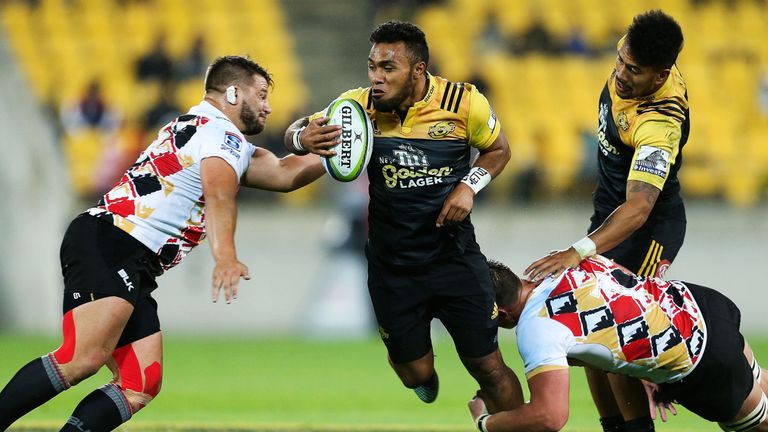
column 603, row 316
column 416, row 163
column 641, row 139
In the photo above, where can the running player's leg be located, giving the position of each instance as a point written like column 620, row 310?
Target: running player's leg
column 466, row 305
column 137, row 371
column 91, row 332
column 499, row 385
column 632, row 402
column 611, row 418
column 419, row 375
column 400, row 303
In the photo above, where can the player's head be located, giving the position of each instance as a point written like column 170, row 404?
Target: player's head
column 398, row 59
column 243, row 86
column 507, row 287
column 650, row 49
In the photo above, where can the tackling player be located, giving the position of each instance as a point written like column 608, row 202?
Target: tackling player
column 680, row 338
column 182, row 187
column 423, row 260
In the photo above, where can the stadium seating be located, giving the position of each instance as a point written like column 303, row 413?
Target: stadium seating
column 549, row 99
column 547, row 102
column 61, row 45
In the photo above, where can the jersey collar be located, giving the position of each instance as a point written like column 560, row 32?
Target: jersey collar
column 431, row 90
column 664, row 87
column 207, row 109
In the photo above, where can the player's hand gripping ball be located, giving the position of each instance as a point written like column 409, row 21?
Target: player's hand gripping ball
column 354, row 151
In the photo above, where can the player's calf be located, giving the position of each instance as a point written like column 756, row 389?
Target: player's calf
column 115, row 403
column 139, row 386
column 497, row 381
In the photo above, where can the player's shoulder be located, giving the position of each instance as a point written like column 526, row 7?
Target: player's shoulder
column 452, row 96
column 540, row 337
column 360, row 94
column 670, row 104
column 208, row 118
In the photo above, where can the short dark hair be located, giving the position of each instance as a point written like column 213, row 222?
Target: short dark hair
column 228, row 70
column 400, row 31
column 655, row 39
column 506, row 284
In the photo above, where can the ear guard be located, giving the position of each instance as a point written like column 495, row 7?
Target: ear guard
column 231, row 94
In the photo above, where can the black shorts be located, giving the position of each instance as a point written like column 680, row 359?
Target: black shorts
column 650, row 250
column 456, row 290
column 720, row 383
column 100, row 260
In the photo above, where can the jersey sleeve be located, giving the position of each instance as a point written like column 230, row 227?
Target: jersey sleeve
column 359, row 94
column 657, row 142
column 543, row 345
column 225, row 144
column 482, row 126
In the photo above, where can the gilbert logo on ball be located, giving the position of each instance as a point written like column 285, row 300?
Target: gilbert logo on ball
column 354, row 151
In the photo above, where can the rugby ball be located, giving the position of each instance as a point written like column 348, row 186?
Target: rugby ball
column 354, row 150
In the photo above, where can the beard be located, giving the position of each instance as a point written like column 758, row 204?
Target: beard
column 250, row 121
column 396, row 100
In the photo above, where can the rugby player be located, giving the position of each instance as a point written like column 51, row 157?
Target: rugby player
column 639, row 217
column 680, row 338
column 181, row 187
column 423, row 259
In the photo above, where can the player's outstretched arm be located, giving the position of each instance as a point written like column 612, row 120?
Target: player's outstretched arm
column 547, row 410
column 266, row 171
column 626, row 219
column 488, row 165
column 219, row 190
column 304, row 136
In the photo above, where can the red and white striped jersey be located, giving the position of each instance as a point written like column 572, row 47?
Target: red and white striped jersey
column 159, row 200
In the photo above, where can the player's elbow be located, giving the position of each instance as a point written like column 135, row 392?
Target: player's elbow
column 552, row 419
column 554, row 422
column 635, row 213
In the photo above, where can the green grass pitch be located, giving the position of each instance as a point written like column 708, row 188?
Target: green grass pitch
column 290, row 384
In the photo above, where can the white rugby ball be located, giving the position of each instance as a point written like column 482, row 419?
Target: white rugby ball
column 354, row 150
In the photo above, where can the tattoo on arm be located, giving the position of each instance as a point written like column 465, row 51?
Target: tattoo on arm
column 650, row 192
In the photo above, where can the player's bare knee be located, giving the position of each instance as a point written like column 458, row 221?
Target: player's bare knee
column 83, row 366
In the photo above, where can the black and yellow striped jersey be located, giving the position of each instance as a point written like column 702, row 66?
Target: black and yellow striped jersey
column 416, row 163
column 641, row 139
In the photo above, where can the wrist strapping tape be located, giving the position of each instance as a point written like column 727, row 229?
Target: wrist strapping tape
column 297, row 141
column 481, row 421
column 477, row 178
column 585, row 247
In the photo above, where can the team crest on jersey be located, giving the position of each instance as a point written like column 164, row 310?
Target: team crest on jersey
column 232, row 144
column 621, row 119
column 441, row 129
column 232, row 141
column 495, row 312
column 652, row 160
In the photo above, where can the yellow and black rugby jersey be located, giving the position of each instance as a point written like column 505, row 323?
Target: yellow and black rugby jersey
column 641, row 139
column 416, row 163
